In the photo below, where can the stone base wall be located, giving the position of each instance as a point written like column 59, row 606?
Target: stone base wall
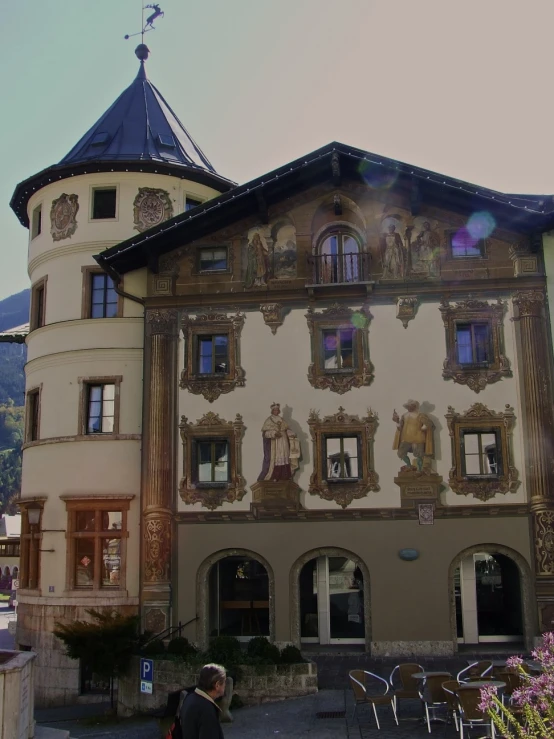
column 412, row 649
column 257, row 684
column 57, row 678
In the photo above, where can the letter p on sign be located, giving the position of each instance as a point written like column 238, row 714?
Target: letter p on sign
column 146, row 669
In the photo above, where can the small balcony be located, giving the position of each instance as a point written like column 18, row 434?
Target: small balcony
column 339, row 269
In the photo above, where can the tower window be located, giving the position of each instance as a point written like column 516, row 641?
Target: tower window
column 103, row 303
column 36, row 225
column 101, row 409
column 191, row 203
column 103, row 203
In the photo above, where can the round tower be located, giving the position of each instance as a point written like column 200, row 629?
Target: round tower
column 80, row 501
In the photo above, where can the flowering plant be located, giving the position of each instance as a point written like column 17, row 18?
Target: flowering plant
column 530, row 713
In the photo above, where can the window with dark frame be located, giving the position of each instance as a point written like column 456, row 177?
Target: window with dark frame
column 104, row 203
column 96, row 543
column 29, row 573
column 212, row 354
column 212, row 460
column 100, row 416
column 103, row 297
column 341, row 458
column 338, row 349
column 40, row 306
column 481, row 456
column 36, row 225
column 463, row 245
column 33, row 417
column 191, row 203
column 212, row 259
column 473, row 343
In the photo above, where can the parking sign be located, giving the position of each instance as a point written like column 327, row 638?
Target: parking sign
column 146, row 669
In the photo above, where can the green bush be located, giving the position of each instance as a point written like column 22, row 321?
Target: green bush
column 181, row 647
column 153, row 649
column 261, row 651
column 291, row 655
column 224, row 650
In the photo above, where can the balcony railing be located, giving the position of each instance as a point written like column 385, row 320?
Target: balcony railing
column 333, row 269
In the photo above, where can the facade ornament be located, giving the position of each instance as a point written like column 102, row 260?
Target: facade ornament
column 273, row 315
column 157, row 538
column 63, row 217
column 480, row 419
column 530, row 303
column 161, row 321
column 155, row 620
column 544, row 541
column 525, row 263
column 330, row 483
column 406, row 308
column 151, row 207
column 212, row 493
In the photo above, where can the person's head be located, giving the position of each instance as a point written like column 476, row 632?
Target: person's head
column 392, row 228
column 411, row 406
column 275, row 409
column 212, row 680
column 426, row 226
column 256, row 239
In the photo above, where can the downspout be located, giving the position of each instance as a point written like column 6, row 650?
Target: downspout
column 117, row 279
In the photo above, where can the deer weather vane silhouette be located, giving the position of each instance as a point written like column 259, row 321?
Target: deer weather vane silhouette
column 149, row 24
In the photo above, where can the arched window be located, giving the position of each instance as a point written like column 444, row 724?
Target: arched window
column 339, row 258
column 239, row 598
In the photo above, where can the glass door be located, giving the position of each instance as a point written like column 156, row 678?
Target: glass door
column 332, row 602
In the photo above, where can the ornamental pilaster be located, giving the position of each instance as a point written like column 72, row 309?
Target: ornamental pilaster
column 158, row 472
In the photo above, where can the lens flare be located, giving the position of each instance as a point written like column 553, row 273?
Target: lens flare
column 358, row 320
column 376, row 176
column 480, row 225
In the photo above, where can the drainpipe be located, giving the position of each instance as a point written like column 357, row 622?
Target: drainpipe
column 117, row 279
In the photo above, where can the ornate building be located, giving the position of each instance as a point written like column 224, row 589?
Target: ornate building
column 315, row 407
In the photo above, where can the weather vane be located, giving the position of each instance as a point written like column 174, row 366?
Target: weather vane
column 149, row 24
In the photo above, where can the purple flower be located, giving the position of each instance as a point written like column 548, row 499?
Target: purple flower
column 514, row 662
column 488, row 694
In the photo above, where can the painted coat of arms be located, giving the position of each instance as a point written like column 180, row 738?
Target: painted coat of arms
column 63, row 216
column 151, row 207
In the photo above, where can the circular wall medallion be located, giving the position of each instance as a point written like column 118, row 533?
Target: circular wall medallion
column 151, row 207
column 63, row 220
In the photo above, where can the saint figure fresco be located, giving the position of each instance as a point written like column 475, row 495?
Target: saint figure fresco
column 393, row 254
column 414, row 435
column 281, row 448
column 426, row 250
column 257, row 267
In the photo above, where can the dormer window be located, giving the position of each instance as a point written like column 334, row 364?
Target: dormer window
column 166, row 140
column 104, row 201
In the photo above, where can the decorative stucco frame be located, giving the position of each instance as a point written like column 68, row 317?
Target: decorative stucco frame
column 343, row 424
column 294, row 586
column 202, row 591
column 212, row 495
column 212, row 386
column 480, row 418
column 335, row 317
column 476, row 377
column 528, row 603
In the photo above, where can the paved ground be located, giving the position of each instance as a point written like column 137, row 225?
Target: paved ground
column 6, row 614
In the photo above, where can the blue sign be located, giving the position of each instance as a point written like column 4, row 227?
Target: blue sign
column 146, row 669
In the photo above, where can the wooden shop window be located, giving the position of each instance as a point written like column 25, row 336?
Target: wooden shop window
column 339, row 349
column 32, row 415
column 38, row 304
column 474, row 343
column 97, row 532
column 99, row 407
column 482, row 462
column 212, row 354
column 212, row 469
column 100, row 299
column 343, row 456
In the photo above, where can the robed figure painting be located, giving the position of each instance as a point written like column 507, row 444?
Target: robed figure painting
column 281, row 448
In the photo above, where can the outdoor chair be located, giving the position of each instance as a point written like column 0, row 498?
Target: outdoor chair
column 476, row 670
column 450, row 687
column 371, row 689
column 409, row 689
column 469, row 698
column 433, row 696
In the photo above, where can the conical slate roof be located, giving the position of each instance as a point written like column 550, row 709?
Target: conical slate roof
column 139, row 132
column 139, row 126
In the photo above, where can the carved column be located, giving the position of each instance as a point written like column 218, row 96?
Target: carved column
column 537, row 396
column 158, row 469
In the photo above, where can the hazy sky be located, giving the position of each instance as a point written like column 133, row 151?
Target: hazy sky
column 461, row 88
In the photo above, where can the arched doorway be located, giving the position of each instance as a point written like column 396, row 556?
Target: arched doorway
column 491, row 598
column 236, row 594
column 330, row 598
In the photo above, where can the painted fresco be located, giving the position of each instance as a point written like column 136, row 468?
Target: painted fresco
column 270, row 254
column 409, row 247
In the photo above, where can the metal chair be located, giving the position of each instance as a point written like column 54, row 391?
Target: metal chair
column 470, row 715
column 476, row 670
column 450, row 687
column 409, row 689
column 373, row 689
column 433, row 696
